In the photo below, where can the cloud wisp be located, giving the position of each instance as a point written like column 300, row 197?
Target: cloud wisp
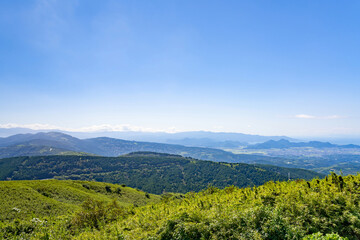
column 306, row 116
column 93, row 128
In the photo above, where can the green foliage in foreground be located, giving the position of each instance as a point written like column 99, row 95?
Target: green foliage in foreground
column 50, row 198
column 320, row 236
column 151, row 172
column 317, row 210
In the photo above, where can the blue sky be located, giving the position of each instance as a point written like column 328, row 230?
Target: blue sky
column 262, row 67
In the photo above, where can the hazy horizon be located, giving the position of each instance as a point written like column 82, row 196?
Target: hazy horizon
column 253, row 67
column 107, row 131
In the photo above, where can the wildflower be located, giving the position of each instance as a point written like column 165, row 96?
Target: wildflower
column 15, row 209
column 36, row 220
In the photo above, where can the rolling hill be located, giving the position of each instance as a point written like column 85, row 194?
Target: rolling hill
column 151, row 172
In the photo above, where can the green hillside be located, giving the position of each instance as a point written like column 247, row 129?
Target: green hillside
column 274, row 211
column 45, row 198
column 151, row 172
column 286, row 210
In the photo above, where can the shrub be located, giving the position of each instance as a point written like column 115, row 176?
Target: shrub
column 118, row 191
column 320, row 236
column 95, row 213
column 108, row 189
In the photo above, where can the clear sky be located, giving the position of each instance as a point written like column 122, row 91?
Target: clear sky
column 263, row 67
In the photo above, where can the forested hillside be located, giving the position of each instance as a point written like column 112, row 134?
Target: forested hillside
column 151, row 172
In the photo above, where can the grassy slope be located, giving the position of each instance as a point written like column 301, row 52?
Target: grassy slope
column 42, row 198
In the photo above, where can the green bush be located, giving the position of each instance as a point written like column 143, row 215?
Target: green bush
column 96, row 213
column 320, row 236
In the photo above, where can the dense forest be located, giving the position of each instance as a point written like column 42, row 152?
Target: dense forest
column 151, row 172
column 299, row 209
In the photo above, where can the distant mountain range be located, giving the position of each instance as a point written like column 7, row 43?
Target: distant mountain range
column 194, row 138
column 33, row 145
column 56, row 143
column 283, row 143
column 151, row 172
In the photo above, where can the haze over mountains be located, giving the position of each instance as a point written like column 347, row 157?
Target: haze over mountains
column 184, row 138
